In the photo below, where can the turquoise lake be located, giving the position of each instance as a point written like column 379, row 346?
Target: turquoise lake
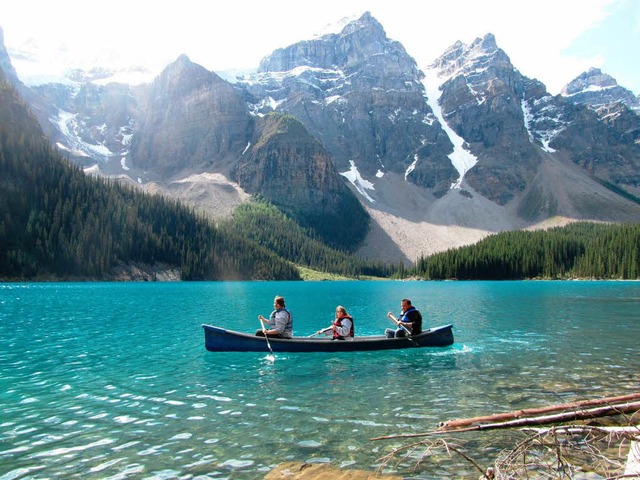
column 112, row 380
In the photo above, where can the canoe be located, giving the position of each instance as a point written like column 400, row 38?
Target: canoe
column 218, row 339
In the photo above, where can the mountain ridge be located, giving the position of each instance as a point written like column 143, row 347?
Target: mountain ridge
column 398, row 135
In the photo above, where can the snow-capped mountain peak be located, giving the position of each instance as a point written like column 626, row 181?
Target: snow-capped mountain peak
column 596, row 89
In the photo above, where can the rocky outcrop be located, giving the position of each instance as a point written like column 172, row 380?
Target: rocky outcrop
column 290, row 168
column 597, row 89
column 359, row 93
column 317, row 471
column 190, row 119
column 139, row 272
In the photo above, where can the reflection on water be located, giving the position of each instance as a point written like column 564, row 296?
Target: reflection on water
column 113, row 381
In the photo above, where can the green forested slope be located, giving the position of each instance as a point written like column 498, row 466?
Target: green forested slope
column 579, row 250
column 58, row 223
column 266, row 225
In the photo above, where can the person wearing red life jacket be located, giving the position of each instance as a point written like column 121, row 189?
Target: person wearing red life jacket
column 342, row 327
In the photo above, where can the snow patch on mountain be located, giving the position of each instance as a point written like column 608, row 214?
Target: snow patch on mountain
column 360, row 184
column 278, row 77
column 68, row 125
column 411, row 167
column 528, row 117
column 327, row 80
column 461, row 158
column 590, row 88
column 543, row 121
column 335, row 28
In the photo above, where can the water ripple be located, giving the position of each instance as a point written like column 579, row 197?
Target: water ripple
column 112, row 381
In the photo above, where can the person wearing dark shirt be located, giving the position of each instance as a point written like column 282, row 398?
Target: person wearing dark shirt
column 409, row 321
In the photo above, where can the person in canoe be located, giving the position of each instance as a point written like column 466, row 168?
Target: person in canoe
column 342, row 327
column 409, row 321
column 280, row 321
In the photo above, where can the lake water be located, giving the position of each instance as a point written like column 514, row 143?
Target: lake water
column 112, row 380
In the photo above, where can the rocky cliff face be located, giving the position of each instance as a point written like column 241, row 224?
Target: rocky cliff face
column 361, row 95
column 5, row 63
column 289, row 167
column 192, row 119
column 481, row 100
column 597, row 89
column 15, row 117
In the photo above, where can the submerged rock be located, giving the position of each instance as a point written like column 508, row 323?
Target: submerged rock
column 317, row 471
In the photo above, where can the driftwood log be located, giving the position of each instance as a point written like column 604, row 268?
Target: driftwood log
column 554, row 415
column 572, row 407
column 583, row 410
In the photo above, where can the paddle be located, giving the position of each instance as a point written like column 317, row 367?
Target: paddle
column 399, row 323
column 320, row 331
column 266, row 337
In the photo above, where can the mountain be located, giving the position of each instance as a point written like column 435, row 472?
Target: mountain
column 473, row 144
column 58, row 223
column 192, row 119
column 597, row 89
column 480, row 94
column 289, row 167
column 523, row 138
column 349, row 136
column 360, row 94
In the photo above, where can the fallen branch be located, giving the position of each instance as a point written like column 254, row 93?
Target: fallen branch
column 429, row 448
column 584, row 414
column 498, row 417
column 633, row 431
column 560, row 452
column 557, row 451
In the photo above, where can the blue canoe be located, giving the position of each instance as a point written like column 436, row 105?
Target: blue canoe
column 218, row 339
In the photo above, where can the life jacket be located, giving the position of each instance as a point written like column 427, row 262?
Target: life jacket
column 416, row 328
column 288, row 329
column 338, row 323
column 403, row 316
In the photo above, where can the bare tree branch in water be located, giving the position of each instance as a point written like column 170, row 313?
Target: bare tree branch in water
column 556, row 452
column 561, row 452
column 428, row 447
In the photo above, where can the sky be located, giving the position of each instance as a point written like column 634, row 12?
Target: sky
column 550, row 40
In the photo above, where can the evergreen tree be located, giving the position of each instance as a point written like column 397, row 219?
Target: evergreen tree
column 579, row 250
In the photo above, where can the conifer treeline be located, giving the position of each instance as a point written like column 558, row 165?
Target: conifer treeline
column 579, row 250
column 266, row 225
column 56, row 222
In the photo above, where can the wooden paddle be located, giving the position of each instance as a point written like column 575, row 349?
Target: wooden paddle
column 399, row 323
column 266, row 337
column 320, row 331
